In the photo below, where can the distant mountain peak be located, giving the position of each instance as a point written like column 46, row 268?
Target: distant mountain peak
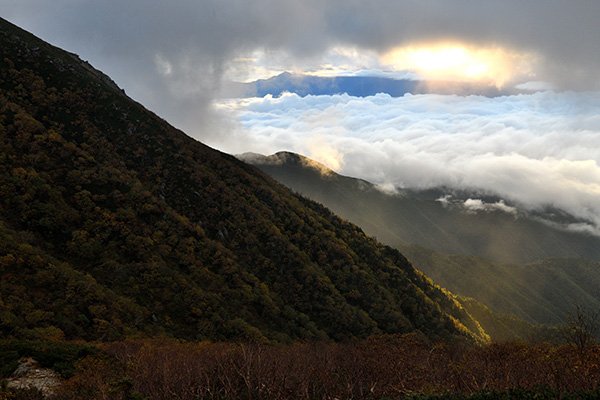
column 353, row 85
column 288, row 159
column 454, row 220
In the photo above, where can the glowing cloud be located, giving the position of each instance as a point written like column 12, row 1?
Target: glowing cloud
column 434, row 62
column 454, row 61
column 325, row 154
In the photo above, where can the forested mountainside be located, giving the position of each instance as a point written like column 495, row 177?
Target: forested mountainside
column 114, row 223
column 545, row 291
column 438, row 219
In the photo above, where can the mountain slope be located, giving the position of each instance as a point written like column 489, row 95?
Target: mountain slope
column 543, row 291
column 509, row 328
column 114, row 223
column 444, row 220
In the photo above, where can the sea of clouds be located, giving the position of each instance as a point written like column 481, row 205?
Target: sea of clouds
column 535, row 150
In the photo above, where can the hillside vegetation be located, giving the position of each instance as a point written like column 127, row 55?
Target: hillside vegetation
column 113, row 224
column 418, row 217
column 518, row 280
column 544, row 292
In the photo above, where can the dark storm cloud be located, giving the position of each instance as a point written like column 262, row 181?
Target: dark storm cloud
column 171, row 55
column 210, row 32
column 197, row 38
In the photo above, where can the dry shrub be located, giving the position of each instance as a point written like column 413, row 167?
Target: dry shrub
column 381, row 367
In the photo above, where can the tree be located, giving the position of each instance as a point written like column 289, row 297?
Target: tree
column 581, row 328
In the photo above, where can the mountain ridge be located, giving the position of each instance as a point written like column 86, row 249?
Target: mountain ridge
column 543, row 290
column 359, row 86
column 443, row 219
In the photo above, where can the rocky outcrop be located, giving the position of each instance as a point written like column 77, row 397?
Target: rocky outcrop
column 29, row 374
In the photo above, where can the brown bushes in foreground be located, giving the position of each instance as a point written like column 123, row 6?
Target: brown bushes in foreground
column 383, row 367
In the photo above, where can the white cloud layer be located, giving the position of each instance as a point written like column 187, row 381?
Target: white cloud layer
column 537, row 150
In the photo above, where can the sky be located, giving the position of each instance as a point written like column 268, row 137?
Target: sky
column 535, row 149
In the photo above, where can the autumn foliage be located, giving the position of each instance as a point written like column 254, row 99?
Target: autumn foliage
column 386, row 367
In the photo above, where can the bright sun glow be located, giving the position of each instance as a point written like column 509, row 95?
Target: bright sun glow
column 324, row 153
column 451, row 61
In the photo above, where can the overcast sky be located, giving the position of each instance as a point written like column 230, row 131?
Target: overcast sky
column 183, row 46
column 537, row 149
